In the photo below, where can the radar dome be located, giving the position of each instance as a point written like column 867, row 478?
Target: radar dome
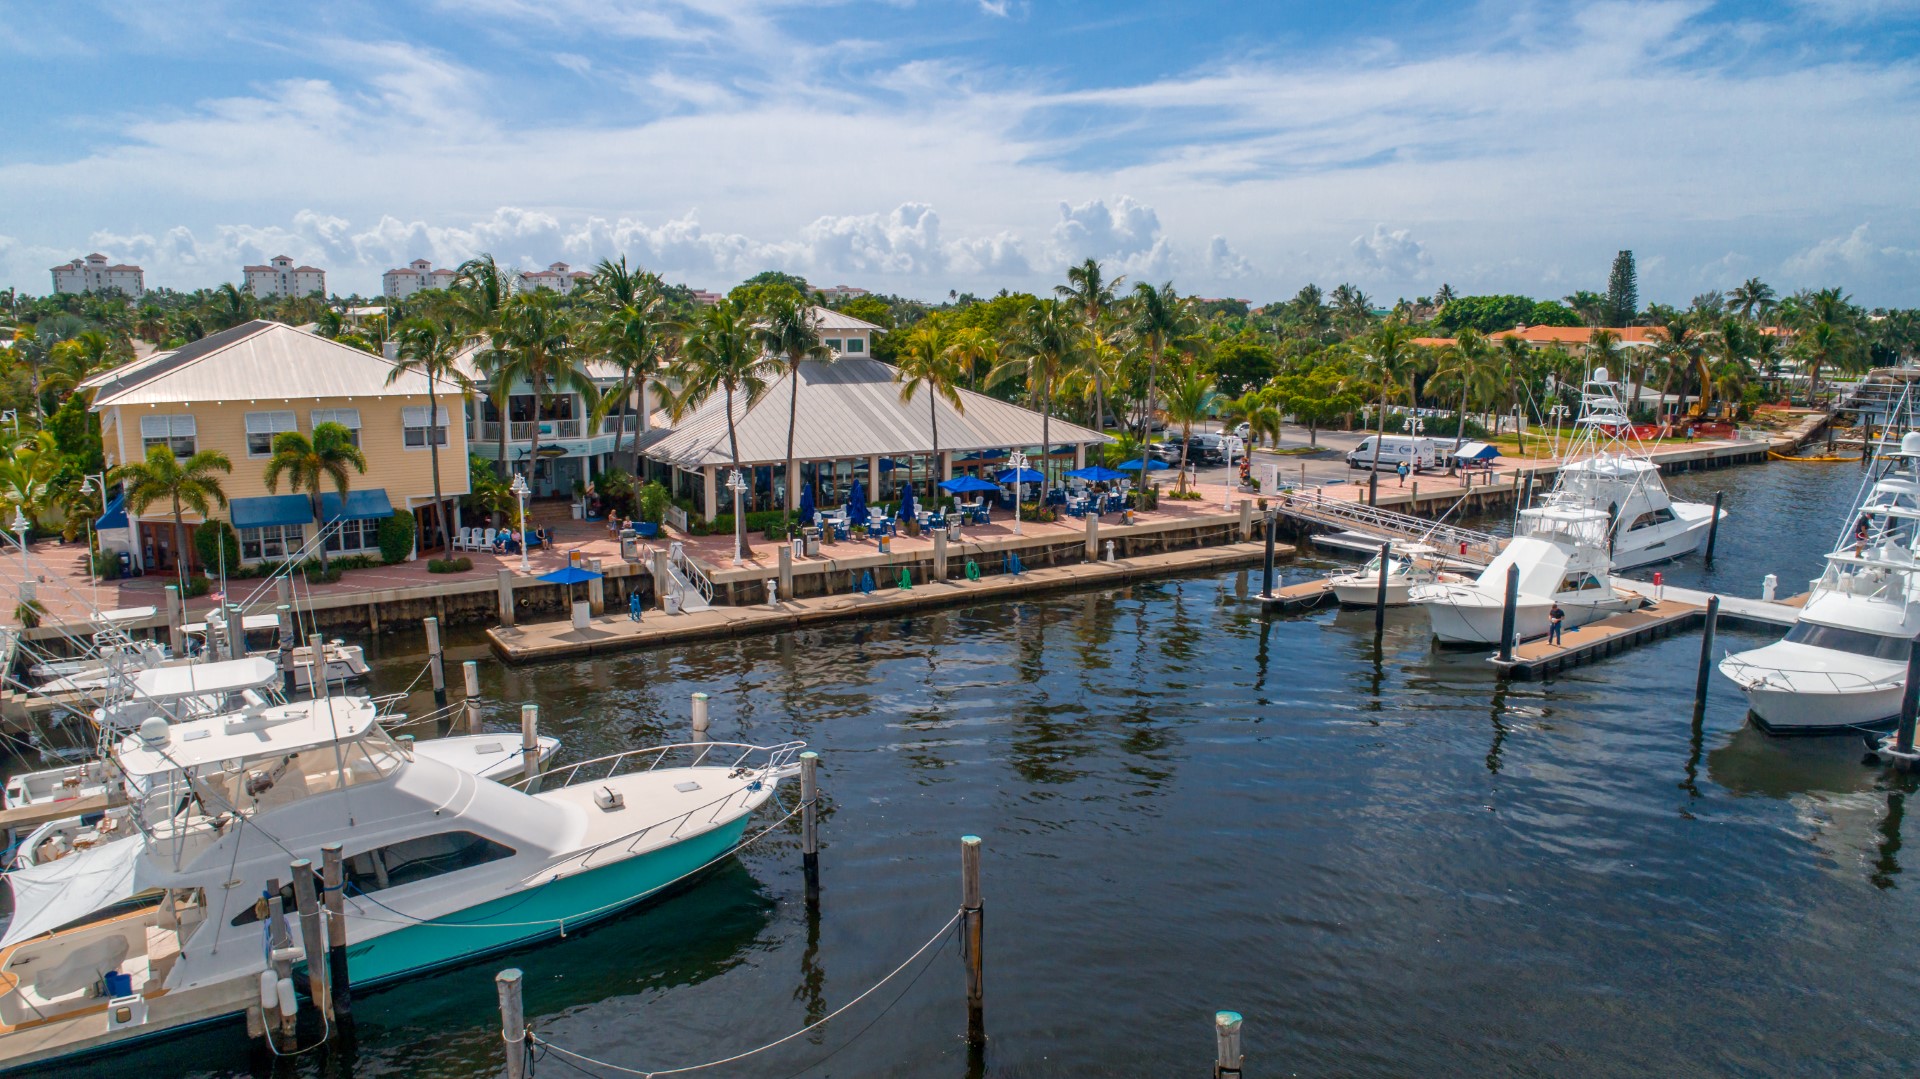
column 153, row 731
column 1600, row 375
column 1910, row 444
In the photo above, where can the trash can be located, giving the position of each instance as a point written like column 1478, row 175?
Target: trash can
column 126, row 564
column 953, row 528
column 811, row 537
column 886, row 544
column 673, row 603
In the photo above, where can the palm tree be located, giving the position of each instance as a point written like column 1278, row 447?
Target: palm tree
column 231, row 307
column 1156, row 317
column 1387, row 358
column 1469, row 362
column 723, row 354
column 1752, row 299
column 1088, row 292
column 1046, row 341
column 1191, row 397
column 1516, row 358
column 638, row 335
column 975, row 349
column 926, row 361
column 428, row 345
column 307, row 464
column 1830, row 336
column 1352, row 309
column 187, row 485
column 1259, row 409
column 534, row 342
column 791, row 331
column 1684, row 352
column 480, row 287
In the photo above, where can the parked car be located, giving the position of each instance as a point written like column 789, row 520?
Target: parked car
column 1165, row 452
column 1207, row 449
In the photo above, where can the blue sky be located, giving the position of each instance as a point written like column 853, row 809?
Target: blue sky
column 922, row 147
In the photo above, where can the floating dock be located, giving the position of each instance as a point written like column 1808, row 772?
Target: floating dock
column 1298, row 597
column 1678, row 610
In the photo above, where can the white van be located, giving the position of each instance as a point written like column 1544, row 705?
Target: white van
column 1415, row 453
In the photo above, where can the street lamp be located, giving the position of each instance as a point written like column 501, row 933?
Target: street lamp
column 738, row 485
column 20, row 526
column 98, row 483
column 1559, row 412
column 521, row 492
column 1016, row 461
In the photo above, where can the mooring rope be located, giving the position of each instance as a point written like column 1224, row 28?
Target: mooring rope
column 939, row 937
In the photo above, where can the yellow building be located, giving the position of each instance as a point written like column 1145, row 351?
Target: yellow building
column 235, row 390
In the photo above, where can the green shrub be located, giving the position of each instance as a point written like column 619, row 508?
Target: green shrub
column 106, row 564
column 396, row 536
column 28, row 612
column 653, row 502
column 208, row 540
column 355, row 561
column 314, row 574
column 196, row 587
column 449, row 565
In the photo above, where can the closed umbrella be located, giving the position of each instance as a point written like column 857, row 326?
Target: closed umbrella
column 857, row 503
column 806, row 504
column 906, row 502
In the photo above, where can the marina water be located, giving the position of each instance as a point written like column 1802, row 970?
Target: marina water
column 1390, row 864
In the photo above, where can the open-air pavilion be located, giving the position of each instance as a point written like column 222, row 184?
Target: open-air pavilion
column 852, row 425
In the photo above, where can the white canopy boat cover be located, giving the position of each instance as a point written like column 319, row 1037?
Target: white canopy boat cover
column 205, row 679
column 122, row 615
column 51, row 894
column 252, row 623
column 281, row 729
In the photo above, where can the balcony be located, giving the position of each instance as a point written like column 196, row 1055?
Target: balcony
column 522, row 431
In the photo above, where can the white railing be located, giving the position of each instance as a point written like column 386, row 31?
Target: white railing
column 1752, row 676
column 676, row 519
column 679, row 560
column 1389, row 525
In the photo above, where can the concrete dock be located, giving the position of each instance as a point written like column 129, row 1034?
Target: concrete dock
column 620, row 633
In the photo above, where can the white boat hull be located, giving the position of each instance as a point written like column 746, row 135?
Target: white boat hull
column 1663, row 543
column 1799, row 711
column 1355, row 590
column 1462, row 615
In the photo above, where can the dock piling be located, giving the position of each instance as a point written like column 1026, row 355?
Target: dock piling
column 1266, row 561
column 332, row 878
column 1909, row 707
column 285, row 614
column 513, row 1021
column 810, row 823
column 506, row 597
column 470, row 675
column 176, row 622
column 279, row 1020
column 701, row 720
column 1713, row 526
column 1705, row 672
column 1380, row 592
column 1769, row 587
column 1509, row 626
column 972, row 932
column 1227, row 1057
column 436, row 661
column 310, row 936
column 530, row 742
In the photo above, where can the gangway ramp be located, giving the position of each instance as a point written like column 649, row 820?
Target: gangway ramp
column 1464, row 544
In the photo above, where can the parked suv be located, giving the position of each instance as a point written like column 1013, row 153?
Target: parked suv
column 1207, row 449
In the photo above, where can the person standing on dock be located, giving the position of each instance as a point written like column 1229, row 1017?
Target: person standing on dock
column 1403, row 473
column 1557, row 619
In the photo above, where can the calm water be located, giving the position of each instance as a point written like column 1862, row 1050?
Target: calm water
column 1389, row 863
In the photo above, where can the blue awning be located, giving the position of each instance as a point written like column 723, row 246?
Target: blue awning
column 361, row 505
column 115, row 515
column 270, row 510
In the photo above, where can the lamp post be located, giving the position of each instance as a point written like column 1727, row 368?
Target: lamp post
column 20, row 526
column 96, row 482
column 520, row 492
column 738, row 485
column 1018, row 462
column 1558, row 412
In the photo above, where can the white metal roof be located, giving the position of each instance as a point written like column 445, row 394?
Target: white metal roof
column 829, row 319
column 259, row 360
column 284, row 728
column 851, row 407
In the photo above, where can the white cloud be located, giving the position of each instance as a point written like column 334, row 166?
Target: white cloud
column 1389, row 257
column 1853, row 259
column 1224, row 263
column 1127, row 233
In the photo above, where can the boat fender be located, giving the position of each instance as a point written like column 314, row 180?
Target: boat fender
column 269, row 991
column 289, row 1003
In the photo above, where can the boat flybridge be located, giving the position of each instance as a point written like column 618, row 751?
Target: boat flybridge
column 1602, row 472
column 1843, row 665
column 1562, row 558
column 441, row 866
column 259, row 635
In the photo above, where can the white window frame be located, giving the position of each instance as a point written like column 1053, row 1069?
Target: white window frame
column 270, row 425
column 173, row 430
column 835, row 344
column 357, row 536
column 285, row 541
column 348, row 418
column 413, row 425
column 856, row 344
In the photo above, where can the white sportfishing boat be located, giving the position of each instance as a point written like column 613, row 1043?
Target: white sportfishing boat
column 1843, row 665
column 1408, row 565
column 1562, row 558
column 441, row 866
column 259, row 635
column 1604, row 472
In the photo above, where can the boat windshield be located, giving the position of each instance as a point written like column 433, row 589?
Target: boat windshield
column 1849, row 640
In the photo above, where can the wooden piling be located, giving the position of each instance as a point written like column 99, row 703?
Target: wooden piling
column 530, row 742
column 1509, row 621
column 1713, row 526
column 436, row 661
column 176, row 622
column 470, row 674
column 972, row 931
column 506, row 597
column 1380, row 591
column 1227, row 1057
column 1909, row 702
column 810, row 823
column 317, row 677
column 701, row 719
column 333, row 877
column 1266, row 561
column 513, row 1022
column 310, row 936
column 1705, row 671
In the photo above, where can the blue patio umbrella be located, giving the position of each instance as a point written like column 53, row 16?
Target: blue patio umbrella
column 806, row 504
column 570, row 575
column 1097, row 474
column 906, row 502
column 1152, row 465
column 967, row 485
column 857, row 503
column 1025, row 475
